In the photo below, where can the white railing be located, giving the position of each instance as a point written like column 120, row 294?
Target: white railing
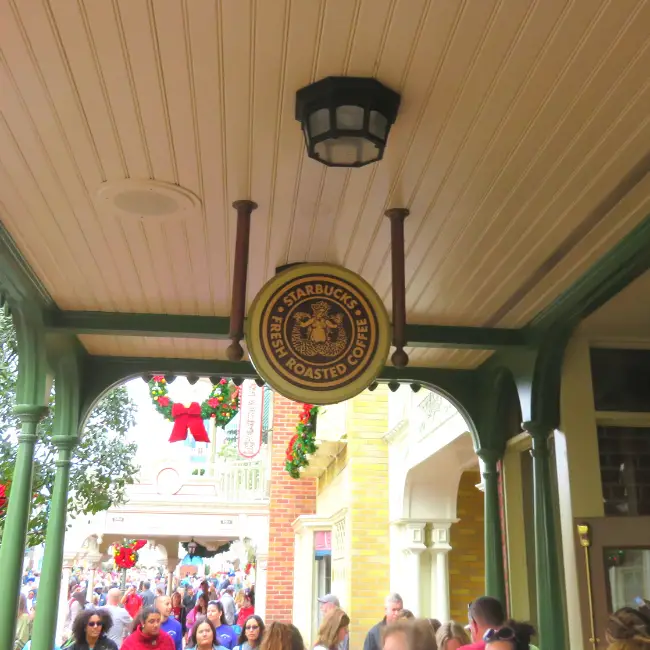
column 242, row 481
column 224, row 480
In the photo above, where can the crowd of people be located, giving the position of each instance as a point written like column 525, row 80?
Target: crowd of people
column 489, row 629
column 213, row 617
column 101, row 616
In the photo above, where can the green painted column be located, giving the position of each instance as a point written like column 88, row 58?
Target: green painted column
column 495, row 582
column 14, row 535
column 550, row 615
column 48, row 593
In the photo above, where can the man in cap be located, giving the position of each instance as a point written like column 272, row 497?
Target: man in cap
column 329, row 602
column 228, row 603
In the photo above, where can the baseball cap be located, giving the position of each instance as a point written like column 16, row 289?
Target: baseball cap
column 329, row 598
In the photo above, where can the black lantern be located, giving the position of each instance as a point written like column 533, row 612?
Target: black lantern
column 346, row 120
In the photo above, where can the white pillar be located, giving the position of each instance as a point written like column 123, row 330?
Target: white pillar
column 172, row 563
column 303, row 581
column 62, row 614
column 91, row 584
column 413, row 545
column 413, row 600
column 260, row 584
column 440, row 570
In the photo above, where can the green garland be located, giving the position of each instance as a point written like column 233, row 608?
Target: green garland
column 303, row 443
column 221, row 405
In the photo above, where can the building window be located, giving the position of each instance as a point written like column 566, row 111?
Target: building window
column 621, row 380
column 625, row 470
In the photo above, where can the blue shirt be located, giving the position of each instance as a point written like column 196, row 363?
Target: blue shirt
column 173, row 628
column 227, row 636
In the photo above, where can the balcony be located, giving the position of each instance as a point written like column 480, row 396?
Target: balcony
column 223, row 481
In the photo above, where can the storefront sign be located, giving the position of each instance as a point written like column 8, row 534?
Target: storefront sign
column 318, row 333
column 323, row 540
column 251, row 407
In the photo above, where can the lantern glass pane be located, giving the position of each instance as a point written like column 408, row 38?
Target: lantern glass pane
column 378, row 125
column 319, row 122
column 347, row 151
column 349, row 118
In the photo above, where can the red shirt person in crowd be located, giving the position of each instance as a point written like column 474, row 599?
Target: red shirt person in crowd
column 132, row 602
column 247, row 610
column 147, row 634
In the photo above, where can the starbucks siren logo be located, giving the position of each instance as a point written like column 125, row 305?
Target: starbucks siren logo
column 318, row 333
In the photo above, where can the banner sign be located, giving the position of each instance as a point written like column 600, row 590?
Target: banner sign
column 251, row 410
column 318, row 333
column 323, row 540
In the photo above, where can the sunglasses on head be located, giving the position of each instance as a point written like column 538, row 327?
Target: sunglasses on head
column 502, row 634
column 95, row 624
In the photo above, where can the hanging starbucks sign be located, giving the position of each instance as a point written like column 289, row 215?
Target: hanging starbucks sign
column 318, row 333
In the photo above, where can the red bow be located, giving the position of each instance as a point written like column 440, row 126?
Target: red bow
column 188, row 418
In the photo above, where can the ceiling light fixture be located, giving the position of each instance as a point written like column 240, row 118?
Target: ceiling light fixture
column 346, row 120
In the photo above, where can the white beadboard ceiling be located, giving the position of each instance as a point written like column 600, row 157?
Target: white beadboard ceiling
column 518, row 119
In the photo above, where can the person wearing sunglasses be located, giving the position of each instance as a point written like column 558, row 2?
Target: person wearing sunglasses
column 514, row 636
column 501, row 639
column 252, row 633
column 89, row 631
column 484, row 613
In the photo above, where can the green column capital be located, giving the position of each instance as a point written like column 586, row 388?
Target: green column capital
column 490, row 458
column 537, row 430
column 30, row 413
column 65, row 443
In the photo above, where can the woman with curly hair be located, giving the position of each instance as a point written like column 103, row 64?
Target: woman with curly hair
column 628, row 629
column 333, row 630
column 89, row 630
column 252, row 633
column 282, row 636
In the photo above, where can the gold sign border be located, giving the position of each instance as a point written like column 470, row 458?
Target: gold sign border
column 265, row 368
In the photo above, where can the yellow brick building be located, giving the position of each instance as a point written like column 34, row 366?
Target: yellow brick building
column 399, row 519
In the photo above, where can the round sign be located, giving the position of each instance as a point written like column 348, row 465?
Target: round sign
column 318, row 333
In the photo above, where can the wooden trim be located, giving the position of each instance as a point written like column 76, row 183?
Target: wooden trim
column 622, row 419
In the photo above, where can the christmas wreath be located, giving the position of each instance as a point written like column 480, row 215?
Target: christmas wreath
column 303, row 443
column 126, row 555
column 222, row 405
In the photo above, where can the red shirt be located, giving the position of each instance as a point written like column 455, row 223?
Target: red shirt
column 139, row 641
column 479, row 645
column 133, row 604
column 244, row 613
